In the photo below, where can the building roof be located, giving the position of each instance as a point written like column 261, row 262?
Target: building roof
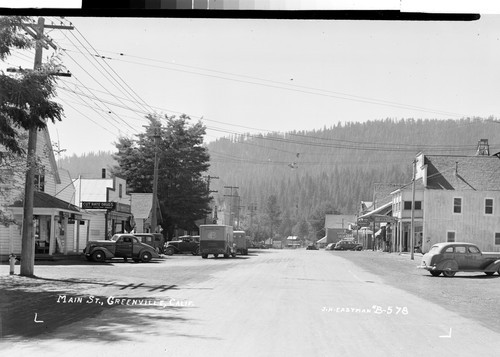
column 478, row 173
column 141, row 204
column 383, row 210
column 44, row 200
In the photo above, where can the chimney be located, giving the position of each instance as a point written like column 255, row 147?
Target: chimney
column 103, row 174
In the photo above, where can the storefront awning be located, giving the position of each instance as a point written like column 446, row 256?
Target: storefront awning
column 379, row 213
column 322, row 240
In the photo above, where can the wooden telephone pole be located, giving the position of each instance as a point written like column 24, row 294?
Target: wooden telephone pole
column 28, row 241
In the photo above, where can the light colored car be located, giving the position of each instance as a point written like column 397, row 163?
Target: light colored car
column 452, row 257
column 330, row 246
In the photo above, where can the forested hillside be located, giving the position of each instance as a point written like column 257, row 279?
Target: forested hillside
column 328, row 170
column 89, row 165
column 337, row 167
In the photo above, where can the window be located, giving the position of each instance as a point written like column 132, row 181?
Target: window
column 120, row 189
column 488, row 206
column 449, row 250
column 457, row 205
column 460, row 250
column 40, row 182
column 497, row 238
column 418, row 205
column 450, row 236
column 473, row 250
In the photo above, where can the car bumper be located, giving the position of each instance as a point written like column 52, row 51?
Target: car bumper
column 423, row 265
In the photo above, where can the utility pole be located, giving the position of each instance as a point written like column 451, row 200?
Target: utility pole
column 209, row 192
column 154, row 216
column 231, row 203
column 252, row 208
column 412, row 230
column 28, row 241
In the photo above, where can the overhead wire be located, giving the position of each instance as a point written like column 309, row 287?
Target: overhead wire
column 349, row 144
column 284, row 85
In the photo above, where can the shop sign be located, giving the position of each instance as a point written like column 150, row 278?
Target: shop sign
column 98, row 205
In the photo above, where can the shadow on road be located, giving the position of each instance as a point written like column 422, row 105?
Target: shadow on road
column 85, row 262
column 37, row 307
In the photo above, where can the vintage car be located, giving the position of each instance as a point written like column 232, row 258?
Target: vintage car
column 311, row 247
column 452, row 257
column 156, row 240
column 347, row 245
column 120, row 246
column 184, row 244
column 330, row 246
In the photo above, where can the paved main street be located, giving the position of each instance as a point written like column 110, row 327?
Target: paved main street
column 270, row 303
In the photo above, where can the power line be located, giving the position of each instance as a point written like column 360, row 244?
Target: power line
column 286, row 86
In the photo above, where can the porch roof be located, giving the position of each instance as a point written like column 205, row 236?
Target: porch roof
column 378, row 212
column 44, row 200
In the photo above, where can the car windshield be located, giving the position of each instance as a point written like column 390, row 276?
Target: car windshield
column 115, row 237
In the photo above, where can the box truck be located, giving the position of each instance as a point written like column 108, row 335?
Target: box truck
column 241, row 242
column 216, row 239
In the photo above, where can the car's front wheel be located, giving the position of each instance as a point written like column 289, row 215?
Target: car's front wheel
column 98, row 256
column 196, row 251
column 146, row 257
column 449, row 273
column 435, row 272
column 169, row 251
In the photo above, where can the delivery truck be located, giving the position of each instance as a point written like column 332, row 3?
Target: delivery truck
column 240, row 240
column 217, row 240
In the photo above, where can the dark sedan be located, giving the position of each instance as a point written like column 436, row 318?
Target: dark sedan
column 348, row 245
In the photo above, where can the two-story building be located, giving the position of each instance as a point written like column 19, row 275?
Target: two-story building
column 457, row 198
column 55, row 218
column 107, row 203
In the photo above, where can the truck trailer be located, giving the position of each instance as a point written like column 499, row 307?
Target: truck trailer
column 216, row 239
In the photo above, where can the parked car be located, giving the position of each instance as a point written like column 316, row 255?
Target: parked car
column 311, row 247
column 330, row 246
column 348, row 245
column 451, row 257
column 120, row 246
column 184, row 244
column 156, row 240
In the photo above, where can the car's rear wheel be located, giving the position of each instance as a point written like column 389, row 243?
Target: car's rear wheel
column 169, row 251
column 435, row 272
column 196, row 251
column 449, row 273
column 216, row 255
column 146, row 257
column 489, row 273
column 204, row 256
column 98, row 256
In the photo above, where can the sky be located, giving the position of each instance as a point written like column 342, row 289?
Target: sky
column 265, row 75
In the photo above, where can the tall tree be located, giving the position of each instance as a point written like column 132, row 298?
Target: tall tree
column 25, row 97
column 182, row 192
column 273, row 212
